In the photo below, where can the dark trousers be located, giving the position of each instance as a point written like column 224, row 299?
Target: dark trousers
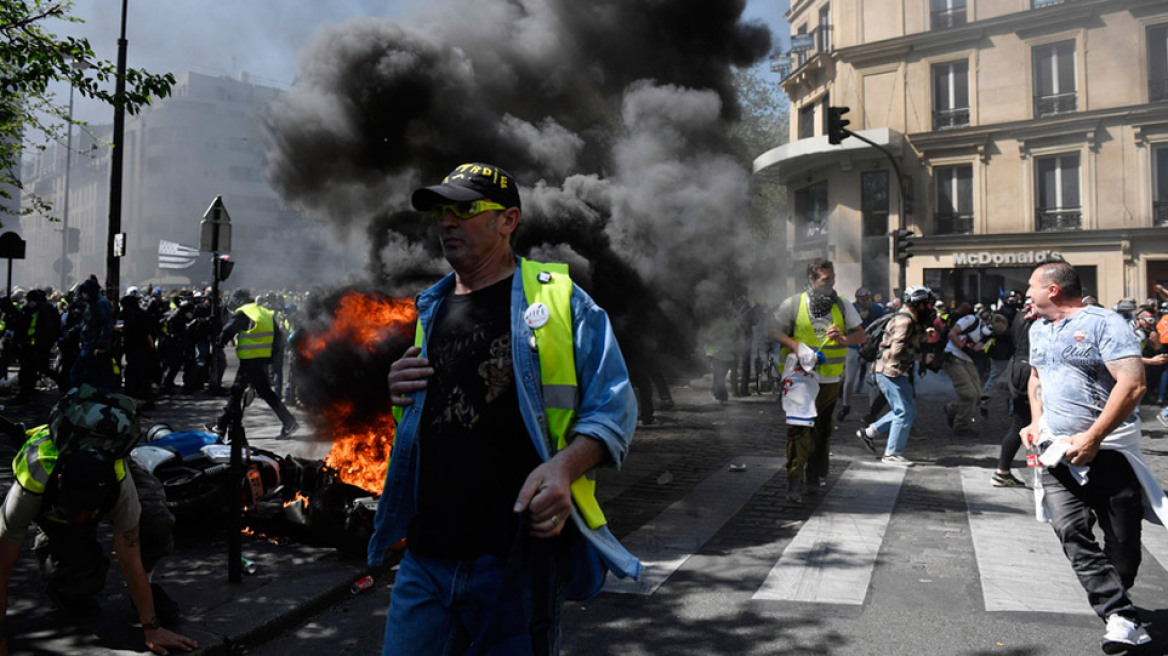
column 1012, row 440
column 808, row 446
column 34, row 361
column 253, row 372
column 1113, row 498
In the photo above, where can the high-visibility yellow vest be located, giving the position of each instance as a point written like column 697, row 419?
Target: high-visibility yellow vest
column 550, row 285
column 256, row 342
column 34, row 463
column 32, row 329
column 834, row 353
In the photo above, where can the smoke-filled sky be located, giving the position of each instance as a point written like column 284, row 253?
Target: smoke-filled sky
column 613, row 115
column 261, row 37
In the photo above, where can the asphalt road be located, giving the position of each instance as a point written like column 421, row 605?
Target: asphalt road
column 926, row 560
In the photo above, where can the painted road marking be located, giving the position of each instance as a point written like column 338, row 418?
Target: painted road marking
column 831, row 558
column 1019, row 558
column 666, row 542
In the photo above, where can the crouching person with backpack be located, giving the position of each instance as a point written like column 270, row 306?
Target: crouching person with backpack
column 900, row 348
column 70, row 477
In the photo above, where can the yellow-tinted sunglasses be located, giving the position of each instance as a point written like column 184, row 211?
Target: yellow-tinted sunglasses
column 464, row 209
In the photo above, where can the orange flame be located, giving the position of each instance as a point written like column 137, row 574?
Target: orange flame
column 363, row 320
column 359, row 454
column 299, row 497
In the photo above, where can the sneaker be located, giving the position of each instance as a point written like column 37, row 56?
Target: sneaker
column 1007, row 480
column 667, row 404
column 843, row 412
column 867, row 441
column 795, row 492
column 897, row 460
column 1122, row 634
column 289, row 430
column 215, row 428
column 1163, row 419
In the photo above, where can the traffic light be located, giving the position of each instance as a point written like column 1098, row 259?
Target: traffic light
column 225, row 265
column 837, row 125
column 902, row 244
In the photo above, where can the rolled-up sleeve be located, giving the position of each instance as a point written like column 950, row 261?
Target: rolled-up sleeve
column 607, row 409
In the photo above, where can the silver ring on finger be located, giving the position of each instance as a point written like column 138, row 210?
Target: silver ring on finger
column 555, row 521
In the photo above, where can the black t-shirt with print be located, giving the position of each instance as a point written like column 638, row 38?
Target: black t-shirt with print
column 475, row 451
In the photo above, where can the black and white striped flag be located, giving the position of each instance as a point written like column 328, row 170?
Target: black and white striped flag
column 173, row 255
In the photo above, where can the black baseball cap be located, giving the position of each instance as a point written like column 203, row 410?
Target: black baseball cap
column 472, row 181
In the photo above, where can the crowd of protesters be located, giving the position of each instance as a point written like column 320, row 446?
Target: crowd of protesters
column 979, row 346
column 149, row 344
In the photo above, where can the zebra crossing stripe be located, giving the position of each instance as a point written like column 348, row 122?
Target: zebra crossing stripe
column 1019, row 559
column 830, row 560
column 666, row 542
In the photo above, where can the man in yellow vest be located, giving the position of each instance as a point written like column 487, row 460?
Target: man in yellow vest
column 256, row 335
column 818, row 326
column 515, row 390
column 65, row 497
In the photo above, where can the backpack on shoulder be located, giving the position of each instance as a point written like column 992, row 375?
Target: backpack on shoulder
column 873, row 335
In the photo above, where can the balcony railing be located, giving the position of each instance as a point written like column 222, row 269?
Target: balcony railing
column 1058, row 218
column 947, row 119
column 1160, row 214
column 1157, row 90
column 946, row 18
column 823, row 38
column 1059, row 103
column 955, row 224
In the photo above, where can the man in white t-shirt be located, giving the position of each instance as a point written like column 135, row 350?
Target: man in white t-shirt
column 967, row 335
column 818, row 326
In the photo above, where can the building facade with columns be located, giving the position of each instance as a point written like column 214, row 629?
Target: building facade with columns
column 1022, row 129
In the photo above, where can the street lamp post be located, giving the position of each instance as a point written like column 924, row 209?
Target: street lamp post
column 80, row 65
column 112, row 264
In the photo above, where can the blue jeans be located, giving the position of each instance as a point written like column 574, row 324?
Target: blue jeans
column 899, row 421
column 473, row 606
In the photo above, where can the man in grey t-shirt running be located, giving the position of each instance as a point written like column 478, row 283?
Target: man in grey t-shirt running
column 1086, row 415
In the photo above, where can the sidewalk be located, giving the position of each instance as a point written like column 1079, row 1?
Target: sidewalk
column 292, row 581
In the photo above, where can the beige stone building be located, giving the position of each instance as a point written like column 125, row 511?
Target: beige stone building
column 1021, row 127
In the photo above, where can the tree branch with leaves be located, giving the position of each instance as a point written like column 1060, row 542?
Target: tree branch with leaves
column 31, row 60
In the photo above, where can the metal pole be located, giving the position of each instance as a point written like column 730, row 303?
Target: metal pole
column 65, row 217
column 902, row 274
column 112, row 270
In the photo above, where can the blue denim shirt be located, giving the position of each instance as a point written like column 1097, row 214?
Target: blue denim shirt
column 606, row 411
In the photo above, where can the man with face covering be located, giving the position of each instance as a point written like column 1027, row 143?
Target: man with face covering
column 818, row 326
column 94, row 364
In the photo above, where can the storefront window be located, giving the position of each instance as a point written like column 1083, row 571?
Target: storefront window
column 874, row 247
column 988, row 284
column 811, row 213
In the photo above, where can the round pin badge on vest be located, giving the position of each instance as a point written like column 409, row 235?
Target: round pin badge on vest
column 536, row 315
column 544, row 277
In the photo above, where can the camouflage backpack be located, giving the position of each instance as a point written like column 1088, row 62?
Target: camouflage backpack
column 88, row 419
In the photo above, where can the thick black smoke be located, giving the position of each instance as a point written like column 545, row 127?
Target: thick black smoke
column 613, row 115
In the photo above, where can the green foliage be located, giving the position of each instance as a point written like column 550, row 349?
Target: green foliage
column 31, row 59
column 763, row 126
